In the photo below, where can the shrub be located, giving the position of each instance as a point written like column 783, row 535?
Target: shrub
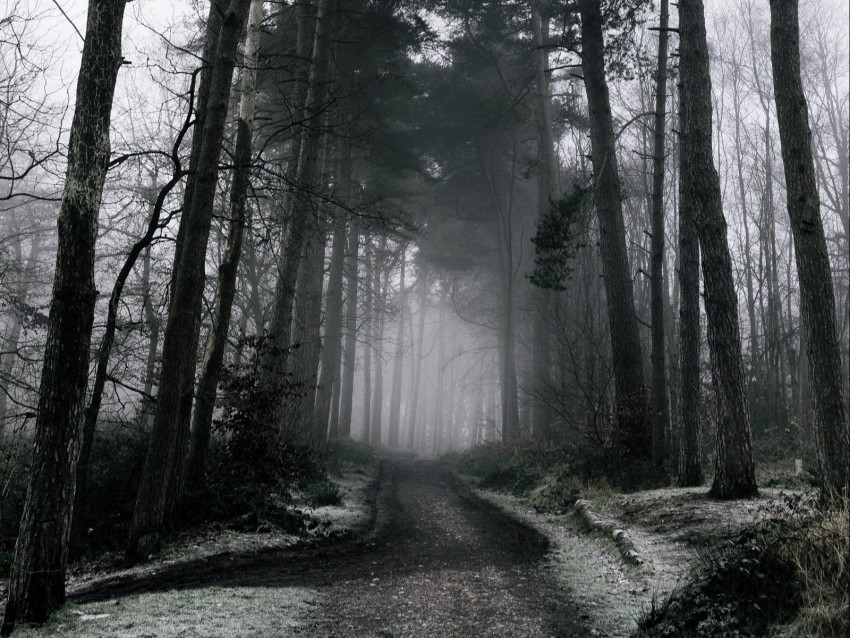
column 254, row 452
column 322, row 493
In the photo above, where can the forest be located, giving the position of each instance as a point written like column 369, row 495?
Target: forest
column 425, row 318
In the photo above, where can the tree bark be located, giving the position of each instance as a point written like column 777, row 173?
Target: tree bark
column 308, row 319
column 229, row 266
column 300, row 204
column 632, row 436
column 417, row 375
column 690, row 456
column 547, row 191
column 327, row 394
column 37, row 578
column 370, row 263
column 161, row 476
column 349, row 364
column 381, row 285
column 734, row 471
column 398, row 362
column 813, row 268
column 660, row 394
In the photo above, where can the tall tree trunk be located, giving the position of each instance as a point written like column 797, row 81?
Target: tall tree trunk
column 13, row 335
column 350, row 349
column 417, row 376
column 37, row 578
column 734, row 473
column 439, row 402
column 503, row 238
column 398, row 362
column 381, row 284
column 229, row 266
column 161, row 476
column 547, row 190
column 660, row 394
column 632, row 433
column 690, row 462
column 813, row 268
column 370, row 263
column 301, row 204
column 308, row 319
column 327, row 394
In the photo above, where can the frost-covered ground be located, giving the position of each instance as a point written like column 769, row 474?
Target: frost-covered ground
column 206, row 611
column 664, row 527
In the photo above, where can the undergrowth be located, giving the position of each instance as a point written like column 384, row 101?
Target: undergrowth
column 789, row 569
column 554, row 477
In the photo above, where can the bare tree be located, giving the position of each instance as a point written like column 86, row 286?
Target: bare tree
column 37, row 580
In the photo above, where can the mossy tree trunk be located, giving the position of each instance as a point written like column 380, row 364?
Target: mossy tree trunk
column 37, row 578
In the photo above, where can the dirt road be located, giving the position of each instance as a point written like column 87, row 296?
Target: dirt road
column 439, row 562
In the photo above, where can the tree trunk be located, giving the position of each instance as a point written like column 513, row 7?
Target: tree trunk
column 308, row 319
column 301, row 204
column 734, row 473
column 381, row 284
column 632, row 435
column 395, row 393
column 346, row 398
column 439, row 401
column 547, row 190
column 417, row 376
column 37, row 578
column 161, row 476
column 327, row 394
column 690, row 456
column 660, row 394
column 229, row 266
column 813, row 268
column 369, row 330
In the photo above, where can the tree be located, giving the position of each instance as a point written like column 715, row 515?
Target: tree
column 300, row 206
column 547, row 191
column 816, row 290
column 632, row 435
column 37, row 579
column 398, row 362
column 660, row 396
column 228, row 268
column 350, row 346
column 734, row 471
column 689, row 468
column 162, row 474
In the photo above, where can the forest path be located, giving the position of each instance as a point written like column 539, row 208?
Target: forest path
column 439, row 562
